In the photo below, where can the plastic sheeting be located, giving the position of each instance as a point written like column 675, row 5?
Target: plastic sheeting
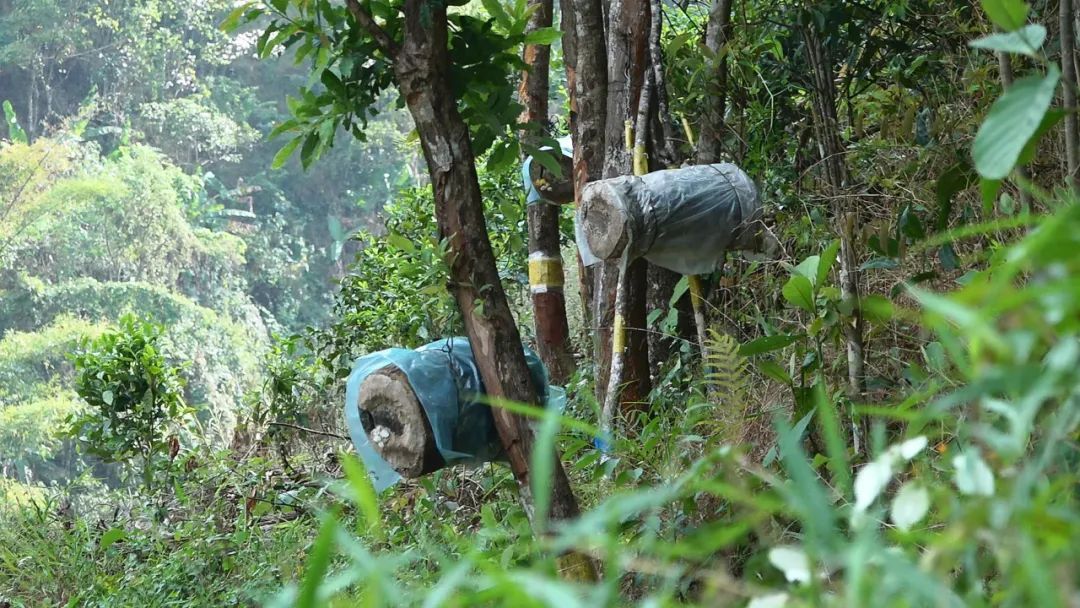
column 689, row 218
column 445, row 378
column 532, row 195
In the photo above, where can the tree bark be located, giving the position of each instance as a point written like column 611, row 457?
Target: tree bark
column 1068, row 72
column 827, row 129
column 545, row 255
column 717, row 33
column 422, row 69
column 586, row 76
column 627, row 62
column 663, row 139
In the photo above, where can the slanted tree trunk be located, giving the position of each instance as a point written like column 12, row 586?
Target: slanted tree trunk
column 1068, row 73
column 422, row 70
column 717, row 33
column 545, row 255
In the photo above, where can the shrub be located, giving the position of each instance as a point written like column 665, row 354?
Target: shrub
column 135, row 398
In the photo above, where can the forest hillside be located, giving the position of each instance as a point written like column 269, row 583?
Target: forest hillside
column 536, row 303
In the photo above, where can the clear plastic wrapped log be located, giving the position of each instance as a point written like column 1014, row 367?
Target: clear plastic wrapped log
column 684, row 220
column 412, row 412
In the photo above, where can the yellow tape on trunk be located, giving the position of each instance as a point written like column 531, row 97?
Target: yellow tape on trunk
column 618, row 335
column 545, row 273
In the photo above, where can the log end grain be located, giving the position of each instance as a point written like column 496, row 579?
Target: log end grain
column 396, row 423
column 604, row 219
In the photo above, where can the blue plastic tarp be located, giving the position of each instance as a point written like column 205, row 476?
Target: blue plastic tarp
column 444, row 376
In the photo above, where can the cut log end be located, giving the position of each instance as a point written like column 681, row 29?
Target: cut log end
column 396, row 424
column 604, row 220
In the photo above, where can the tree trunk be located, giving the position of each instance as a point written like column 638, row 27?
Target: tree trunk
column 1068, row 72
column 545, row 255
column 663, row 139
column 422, row 69
column 831, row 148
column 586, row 77
column 717, row 34
column 627, row 62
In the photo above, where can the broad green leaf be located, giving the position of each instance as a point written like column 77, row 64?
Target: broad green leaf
column 774, row 370
column 111, row 536
column 988, row 190
column 799, row 292
column 543, row 36
column 495, row 9
column 828, row 258
column 809, row 268
column 680, row 288
column 232, row 21
column 1013, row 120
column 285, row 152
column 1052, row 118
column 934, row 353
column 1006, row 14
column 879, row 264
column 548, row 160
column 15, row 132
column 1024, row 41
column 766, row 344
column 400, row 243
column 954, row 180
column 877, row 308
column 910, row 505
column 107, row 397
column 677, row 43
column 333, row 84
column 309, row 152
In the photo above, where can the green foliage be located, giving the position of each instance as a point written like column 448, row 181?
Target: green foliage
column 29, row 435
column 15, row 132
column 30, row 360
column 484, row 54
column 134, row 395
column 194, row 133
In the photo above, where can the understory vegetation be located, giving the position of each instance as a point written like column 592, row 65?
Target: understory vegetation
column 210, row 210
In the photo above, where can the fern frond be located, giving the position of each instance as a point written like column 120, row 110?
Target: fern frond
column 726, row 373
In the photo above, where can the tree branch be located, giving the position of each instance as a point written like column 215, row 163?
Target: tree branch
column 307, row 430
column 367, row 22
